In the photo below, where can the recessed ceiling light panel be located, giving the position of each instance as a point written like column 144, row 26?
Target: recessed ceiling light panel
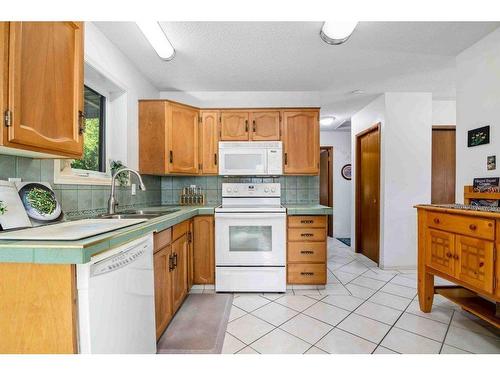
column 327, row 121
column 337, row 32
column 157, row 38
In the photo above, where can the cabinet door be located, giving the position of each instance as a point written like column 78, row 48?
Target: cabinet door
column 46, row 86
column 474, row 262
column 234, row 126
column 190, row 260
column 265, row 126
column 163, row 290
column 301, row 142
column 179, row 274
column 209, row 142
column 440, row 248
column 204, row 256
column 183, row 139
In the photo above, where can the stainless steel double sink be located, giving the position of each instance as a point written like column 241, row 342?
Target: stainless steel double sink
column 138, row 214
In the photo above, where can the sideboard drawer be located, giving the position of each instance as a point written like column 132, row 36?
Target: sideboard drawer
column 307, row 234
column 307, row 221
column 467, row 225
column 307, row 252
column 306, row 274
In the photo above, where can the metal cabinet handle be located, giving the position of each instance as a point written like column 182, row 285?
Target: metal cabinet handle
column 254, row 127
column 307, row 252
column 170, row 263
column 307, row 221
column 286, row 158
column 473, row 227
column 215, row 159
column 175, row 260
column 81, row 122
column 171, row 156
column 307, row 273
column 246, row 126
column 306, row 234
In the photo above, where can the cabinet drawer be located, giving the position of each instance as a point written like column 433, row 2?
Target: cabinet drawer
column 306, row 234
column 162, row 239
column 179, row 229
column 467, row 225
column 307, row 221
column 303, row 252
column 307, row 273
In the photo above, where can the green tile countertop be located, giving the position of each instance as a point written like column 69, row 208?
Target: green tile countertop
column 80, row 251
column 308, row 209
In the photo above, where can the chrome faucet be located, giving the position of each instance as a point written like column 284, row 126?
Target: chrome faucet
column 112, row 202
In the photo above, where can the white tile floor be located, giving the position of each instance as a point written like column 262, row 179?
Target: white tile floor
column 363, row 309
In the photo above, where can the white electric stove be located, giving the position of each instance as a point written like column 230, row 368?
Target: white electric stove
column 250, row 239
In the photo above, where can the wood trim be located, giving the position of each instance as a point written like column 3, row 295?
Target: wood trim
column 469, row 194
column 378, row 128
column 331, row 159
column 444, row 127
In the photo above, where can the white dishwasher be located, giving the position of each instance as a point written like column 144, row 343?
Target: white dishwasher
column 116, row 300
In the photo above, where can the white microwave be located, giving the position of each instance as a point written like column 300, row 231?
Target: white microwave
column 250, row 158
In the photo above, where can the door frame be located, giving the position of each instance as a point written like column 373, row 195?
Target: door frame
column 330, row 150
column 357, row 211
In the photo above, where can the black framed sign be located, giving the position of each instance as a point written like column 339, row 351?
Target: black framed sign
column 346, row 171
column 479, row 136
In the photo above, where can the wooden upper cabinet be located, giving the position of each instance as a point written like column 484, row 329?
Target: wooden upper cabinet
column 301, row 142
column 203, row 250
column 265, row 126
column 182, row 138
column 45, row 87
column 208, row 143
column 153, row 158
column 234, row 126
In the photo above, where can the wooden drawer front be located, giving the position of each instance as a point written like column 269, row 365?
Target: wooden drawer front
column 307, row 273
column 474, row 262
column 440, row 250
column 303, row 252
column 307, row 234
column 467, row 225
column 162, row 239
column 179, row 229
column 307, row 221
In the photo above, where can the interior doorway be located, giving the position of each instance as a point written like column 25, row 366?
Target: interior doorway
column 443, row 164
column 368, row 193
column 326, row 181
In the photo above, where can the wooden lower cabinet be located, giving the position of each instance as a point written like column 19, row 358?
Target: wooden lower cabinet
column 180, row 271
column 306, row 250
column 440, row 250
column 203, row 250
column 475, row 262
column 163, row 289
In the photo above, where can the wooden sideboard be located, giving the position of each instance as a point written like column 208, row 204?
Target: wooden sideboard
column 460, row 246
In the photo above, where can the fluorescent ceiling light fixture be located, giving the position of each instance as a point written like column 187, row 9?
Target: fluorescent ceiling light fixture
column 157, row 38
column 337, row 32
column 327, row 121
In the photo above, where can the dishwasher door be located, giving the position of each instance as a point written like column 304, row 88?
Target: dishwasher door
column 116, row 300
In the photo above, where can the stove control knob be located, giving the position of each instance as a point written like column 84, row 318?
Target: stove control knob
column 235, row 190
column 229, row 189
column 273, row 190
column 266, row 190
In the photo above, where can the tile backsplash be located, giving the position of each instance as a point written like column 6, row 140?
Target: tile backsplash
column 85, row 200
column 294, row 189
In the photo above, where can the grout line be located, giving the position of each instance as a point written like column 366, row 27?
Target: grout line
column 446, row 334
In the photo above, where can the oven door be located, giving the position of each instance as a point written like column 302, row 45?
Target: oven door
column 250, row 239
column 244, row 161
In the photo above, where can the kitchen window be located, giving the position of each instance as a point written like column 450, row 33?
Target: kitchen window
column 94, row 153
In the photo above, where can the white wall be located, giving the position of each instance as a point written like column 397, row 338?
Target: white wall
column 444, row 112
column 478, row 104
column 341, row 142
column 406, row 123
column 262, row 99
column 109, row 61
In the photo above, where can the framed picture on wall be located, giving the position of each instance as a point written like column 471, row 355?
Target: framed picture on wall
column 346, row 171
column 479, row 136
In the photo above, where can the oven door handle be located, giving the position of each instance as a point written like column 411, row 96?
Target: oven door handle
column 250, row 215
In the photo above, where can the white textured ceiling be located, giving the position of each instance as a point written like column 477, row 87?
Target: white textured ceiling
column 290, row 56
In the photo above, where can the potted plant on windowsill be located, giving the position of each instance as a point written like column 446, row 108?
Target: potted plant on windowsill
column 3, row 210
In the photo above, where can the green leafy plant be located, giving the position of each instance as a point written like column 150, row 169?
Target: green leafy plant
column 41, row 200
column 3, row 208
column 116, row 165
column 90, row 159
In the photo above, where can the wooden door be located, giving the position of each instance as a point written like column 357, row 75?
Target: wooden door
column 209, row 142
column 46, row 86
column 326, row 182
column 368, row 193
column 204, row 255
column 443, row 165
column 474, row 262
column 301, row 142
column 163, row 290
column 179, row 273
column 234, row 126
column 440, row 249
column 265, row 126
column 183, row 139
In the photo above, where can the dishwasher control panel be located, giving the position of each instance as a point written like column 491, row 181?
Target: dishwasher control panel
column 118, row 261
